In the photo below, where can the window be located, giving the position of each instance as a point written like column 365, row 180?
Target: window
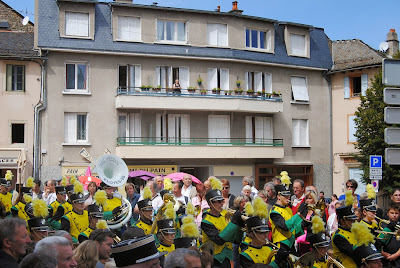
column 166, row 76
column 355, row 86
column 77, row 24
column 218, row 78
column 129, row 77
column 259, row 130
column 76, row 77
column 300, row 132
column 258, row 39
column 219, row 129
column 75, row 128
column 357, row 174
column 15, row 78
column 17, row 133
column 298, row 45
column 129, row 28
column 217, row 34
column 171, row 31
column 129, row 127
column 173, row 128
column 258, row 81
column 299, row 88
column 352, row 128
column 265, row 173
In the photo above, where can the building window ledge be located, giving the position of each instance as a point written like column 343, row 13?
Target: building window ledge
column 76, row 93
column 76, row 144
column 301, row 146
column 300, row 102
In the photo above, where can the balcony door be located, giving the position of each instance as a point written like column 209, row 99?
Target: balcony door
column 166, row 76
column 219, row 129
column 173, row 128
column 259, row 129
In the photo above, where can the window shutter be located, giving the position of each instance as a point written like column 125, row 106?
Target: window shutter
column 268, row 82
column 169, row 76
column 184, row 79
column 304, row 132
column 122, row 127
column 298, row 44
column 172, row 126
column 295, row 132
column 123, row 28
column 364, row 84
column 222, row 35
column 138, row 76
column 212, row 34
column 219, row 128
column 9, row 77
column 135, row 29
column 268, row 40
column 212, row 79
column 246, row 80
column 268, row 129
column 249, row 129
column 257, row 81
column 259, row 129
column 346, row 87
column 352, row 129
column 160, row 128
column 299, row 88
column 224, row 80
column 135, row 127
column 185, row 127
column 70, row 127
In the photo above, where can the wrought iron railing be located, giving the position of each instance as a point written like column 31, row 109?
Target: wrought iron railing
column 198, row 141
column 195, row 92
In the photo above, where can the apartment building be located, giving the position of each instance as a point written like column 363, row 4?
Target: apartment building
column 20, row 87
column 260, row 103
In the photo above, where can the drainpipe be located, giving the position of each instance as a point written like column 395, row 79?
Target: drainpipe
column 41, row 106
column 328, row 79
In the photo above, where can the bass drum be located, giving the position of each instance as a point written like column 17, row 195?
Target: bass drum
column 290, row 260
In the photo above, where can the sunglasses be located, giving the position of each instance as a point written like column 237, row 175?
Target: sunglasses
column 349, row 186
column 225, row 187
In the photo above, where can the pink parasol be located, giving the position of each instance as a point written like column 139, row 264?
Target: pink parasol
column 145, row 175
column 178, row 176
column 85, row 180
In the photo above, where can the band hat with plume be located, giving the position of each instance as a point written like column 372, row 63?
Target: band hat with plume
column 64, row 181
column 371, row 191
column 101, row 224
column 72, row 179
column 27, row 198
column 285, row 179
column 189, row 227
column 349, row 198
column 30, row 183
column 95, row 211
column 145, row 203
column 365, row 249
column 215, row 194
column 168, row 184
column 362, row 235
column 167, row 225
column 317, row 237
column 100, row 198
column 40, row 208
column 258, row 219
column 9, row 175
column 78, row 187
column 190, row 209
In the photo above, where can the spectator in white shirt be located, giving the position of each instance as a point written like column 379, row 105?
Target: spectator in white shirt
column 177, row 190
column 50, row 193
column 188, row 189
column 298, row 196
column 248, row 180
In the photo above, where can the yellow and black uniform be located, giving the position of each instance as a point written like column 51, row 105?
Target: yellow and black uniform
column 310, row 260
column 75, row 223
column 372, row 226
column 85, row 234
column 6, row 199
column 144, row 224
column 252, row 255
column 164, row 248
column 112, row 203
column 19, row 211
column 62, row 210
column 285, row 227
column 146, row 227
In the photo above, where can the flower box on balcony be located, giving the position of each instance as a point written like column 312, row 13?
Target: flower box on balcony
column 238, row 91
column 203, row 91
column 145, row 88
column 157, row 88
column 191, row 89
column 216, row 91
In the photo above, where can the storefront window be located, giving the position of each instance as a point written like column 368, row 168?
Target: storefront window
column 265, row 173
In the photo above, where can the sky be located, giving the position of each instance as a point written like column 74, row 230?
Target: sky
column 367, row 20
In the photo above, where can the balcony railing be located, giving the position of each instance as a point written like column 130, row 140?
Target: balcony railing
column 198, row 141
column 198, row 93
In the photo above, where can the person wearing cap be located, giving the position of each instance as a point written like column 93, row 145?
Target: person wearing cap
column 216, row 230
column 145, row 215
column 112, row 201
column 61, row 197
column 66, row 206
column 138, row 252
column 166, row 235
column 38, row 228
column 19, row 209
column 343, row 240
column 284, row 225
column 76, row 221
column 258, row 251
column 368, row 257
column 368, row 208
column 5, row 196
column 95, row 214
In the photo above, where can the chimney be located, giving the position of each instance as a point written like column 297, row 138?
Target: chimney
column 393, row 42
column 235, row 8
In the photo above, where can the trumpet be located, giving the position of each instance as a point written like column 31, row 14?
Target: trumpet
column 167, row 198
column 334, row 262
column 230, row 212
column 397, row 227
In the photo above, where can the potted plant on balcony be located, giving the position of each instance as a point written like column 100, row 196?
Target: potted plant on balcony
column 203, row 91
column 275, row 94
column 199, row 81
column 250, row 92
column 238, row 91
column 157, row 88
column 228, row 92
column 238, row 82
column 191, row 89
column 145, row 88
column 216, row 91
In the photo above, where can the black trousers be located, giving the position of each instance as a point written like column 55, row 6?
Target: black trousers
column 225, row 264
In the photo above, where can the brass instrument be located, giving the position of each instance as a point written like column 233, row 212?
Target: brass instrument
column 292, row 259
column 160, row 213
column 332, row 261
column 387, row 222
column 123, row 216
column 230, row 212
column 197, row 210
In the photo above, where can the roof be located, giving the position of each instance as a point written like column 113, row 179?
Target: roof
column 354, row 53
column 13, row 10
column 17, row 44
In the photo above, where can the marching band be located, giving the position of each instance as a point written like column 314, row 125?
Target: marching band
column 265, row 235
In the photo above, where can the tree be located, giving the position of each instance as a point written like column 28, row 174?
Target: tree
column 370, row 126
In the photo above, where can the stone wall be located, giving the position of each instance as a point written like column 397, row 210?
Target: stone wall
column 14, row 19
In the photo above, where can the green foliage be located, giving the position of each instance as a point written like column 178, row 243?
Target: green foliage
column 370, row 126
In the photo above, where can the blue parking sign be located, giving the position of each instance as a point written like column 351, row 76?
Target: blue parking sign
column 375, row 161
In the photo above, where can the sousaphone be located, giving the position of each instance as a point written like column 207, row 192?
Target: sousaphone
column 113, row 171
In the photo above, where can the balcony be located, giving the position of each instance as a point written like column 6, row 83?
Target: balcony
column 198, row 100
column 198, row 148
